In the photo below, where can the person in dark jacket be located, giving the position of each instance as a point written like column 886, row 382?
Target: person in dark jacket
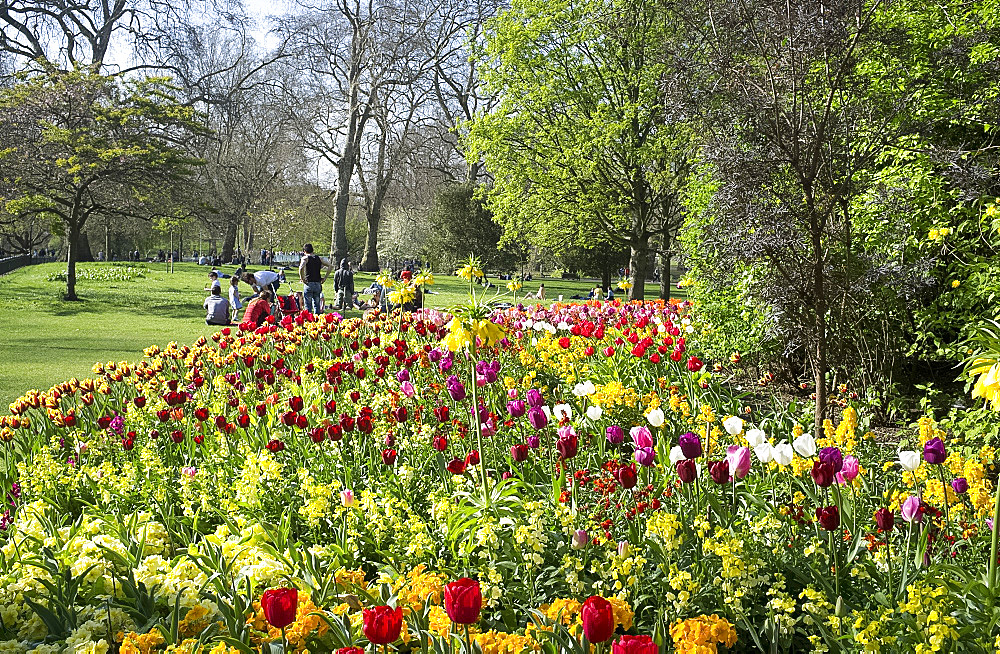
column 343, row 284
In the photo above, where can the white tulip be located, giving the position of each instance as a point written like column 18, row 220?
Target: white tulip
column 733, row 425
column 805, row 445
column 594, row 412
column 655, row 417
column 547, row 411
column 764, row 452
column 583, row 389
column 755, row 437
column 676, row 455
column 909, row 459
column 562, row 411
column 782, row 453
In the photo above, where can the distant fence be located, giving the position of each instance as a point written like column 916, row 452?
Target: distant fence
column 8, row 264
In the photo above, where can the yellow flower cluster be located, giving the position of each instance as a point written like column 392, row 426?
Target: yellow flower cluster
column 425, row 278
column 403, row 295
column 419, row 587
column 133, row 643
column 844, row 435
column 514, row 286
column 987, row 385
column 196, row 621
column 702, row 635
column 468, row 271
column 939, row 233
column 495, row 642
column 929, row 605
column 615, row 393
column 665, row 527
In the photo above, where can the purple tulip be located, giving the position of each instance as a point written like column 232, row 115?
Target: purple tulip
column 641, row 437
column 515, row 408
column 739, row 461
column 435, row 355
column 690, row 445
column 615, row 434
column 960, row 485
column 910, row 509
column 645, row 456
column 832, row 456
column 537, row 418
column 934, row 451
column 534, row 442
column 445, row 365
column 403, row 376
column 455, row 388
column 534, row 398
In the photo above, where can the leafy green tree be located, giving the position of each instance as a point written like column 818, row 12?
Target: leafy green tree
column 462, row 225
column 584, row 144
column 78, row 145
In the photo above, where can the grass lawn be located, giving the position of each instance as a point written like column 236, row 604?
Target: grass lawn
column 46, row 340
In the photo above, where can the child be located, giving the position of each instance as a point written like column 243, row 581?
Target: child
column 214, row 282
column 234, row 296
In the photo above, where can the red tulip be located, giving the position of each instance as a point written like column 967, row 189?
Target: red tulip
column 279, row 606
column 440, row 443
column 457, row 466
column 828, row 517
column 296, row 404
column 627, row 476
column 463, row 600
column 694, row 364
column 519, row 452
column 635, row 645
column 822, row 474
column 389, row 458
column 687, row 470
column 598, row 619
column 382, row 624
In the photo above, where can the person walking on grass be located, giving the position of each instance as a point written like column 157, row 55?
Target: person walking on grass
column 343, row 284
column 217, row 308
column 311, row 275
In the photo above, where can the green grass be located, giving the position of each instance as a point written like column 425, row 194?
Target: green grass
column 46, row 340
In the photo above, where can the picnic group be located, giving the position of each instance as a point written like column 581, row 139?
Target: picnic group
column 264, row 288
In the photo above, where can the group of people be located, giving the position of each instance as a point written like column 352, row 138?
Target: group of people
column 129, row 256
column 313, row 273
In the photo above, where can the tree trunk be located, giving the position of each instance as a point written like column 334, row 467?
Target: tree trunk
column 606, row 274
column 370, row 261
column 83, row 252
column 229, row 241
column 819, row 290
column 345, row 170
column 71, row 256
column 638, row 261
column 663, row 261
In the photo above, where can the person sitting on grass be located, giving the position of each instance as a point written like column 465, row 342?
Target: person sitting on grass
column 259, row 308
column 217, row 307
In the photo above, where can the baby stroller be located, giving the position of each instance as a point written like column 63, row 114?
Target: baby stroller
column 287, row 305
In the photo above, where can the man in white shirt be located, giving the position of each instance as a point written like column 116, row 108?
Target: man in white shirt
column 262, row 279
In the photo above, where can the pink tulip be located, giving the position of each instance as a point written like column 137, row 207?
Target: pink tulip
column 910, row 509
column 739, row 461
column 849, row 471
column 407, row 388
column 641, row 437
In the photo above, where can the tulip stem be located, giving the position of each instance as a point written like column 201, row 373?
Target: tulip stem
column 284, row 641
column 992, row 574
column 468, row 640
column 944, row 495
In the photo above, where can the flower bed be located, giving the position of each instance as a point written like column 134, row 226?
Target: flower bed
column 549, row 454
